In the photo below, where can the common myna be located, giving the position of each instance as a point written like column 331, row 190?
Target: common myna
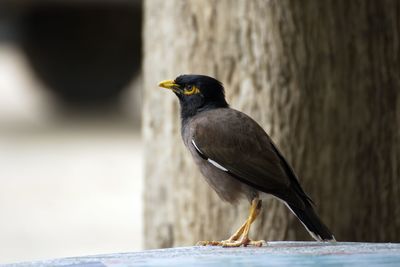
column 237, row 157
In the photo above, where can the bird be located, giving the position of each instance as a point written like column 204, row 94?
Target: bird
column 237, row 157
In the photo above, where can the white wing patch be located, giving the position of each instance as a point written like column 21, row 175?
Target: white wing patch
column 216, row 164
column 195, row 146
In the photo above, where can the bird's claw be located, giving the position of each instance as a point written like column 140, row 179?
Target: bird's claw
column 232, row 243
column 209, row 243
column 245, row 243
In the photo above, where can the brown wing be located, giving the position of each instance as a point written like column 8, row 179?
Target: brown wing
column 237, row 143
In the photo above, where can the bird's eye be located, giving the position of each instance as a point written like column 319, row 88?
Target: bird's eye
column 191, row 90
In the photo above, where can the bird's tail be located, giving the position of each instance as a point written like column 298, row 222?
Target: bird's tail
column 313, row 223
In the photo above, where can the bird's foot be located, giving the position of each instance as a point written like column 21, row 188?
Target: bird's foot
column 209, row 243
column 240, row 237
column 217, row 243
column 233, row 243
column 243, row 242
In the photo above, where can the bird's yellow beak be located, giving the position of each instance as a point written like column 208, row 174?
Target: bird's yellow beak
column 169, row 84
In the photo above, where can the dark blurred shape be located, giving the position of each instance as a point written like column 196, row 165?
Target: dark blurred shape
column 9, row 23
column 85, row 53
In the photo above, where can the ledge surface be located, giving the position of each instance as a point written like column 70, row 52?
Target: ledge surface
column 274, row 254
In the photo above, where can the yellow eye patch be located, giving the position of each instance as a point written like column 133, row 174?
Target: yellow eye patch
column 191, row 90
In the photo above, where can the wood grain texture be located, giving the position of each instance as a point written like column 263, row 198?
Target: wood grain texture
column 322, row 77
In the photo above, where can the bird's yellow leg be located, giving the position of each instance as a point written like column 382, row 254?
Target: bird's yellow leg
column 244, row 239
column 238, row 233
column 240, row 237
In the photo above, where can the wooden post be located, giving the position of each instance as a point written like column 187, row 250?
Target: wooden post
column 322, row 77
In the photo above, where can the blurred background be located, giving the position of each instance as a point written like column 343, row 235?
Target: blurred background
column 70, row 146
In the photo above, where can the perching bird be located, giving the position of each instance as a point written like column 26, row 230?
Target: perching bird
column 237, row 157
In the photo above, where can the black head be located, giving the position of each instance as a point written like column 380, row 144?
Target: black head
column 196, row 93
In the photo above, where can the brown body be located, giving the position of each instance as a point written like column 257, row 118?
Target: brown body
column 244, row 148
column 228, row 189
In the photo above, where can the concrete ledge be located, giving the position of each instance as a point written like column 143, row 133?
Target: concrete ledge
column 274, row 254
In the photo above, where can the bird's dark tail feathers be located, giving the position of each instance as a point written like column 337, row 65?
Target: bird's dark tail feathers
column 313, row 223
